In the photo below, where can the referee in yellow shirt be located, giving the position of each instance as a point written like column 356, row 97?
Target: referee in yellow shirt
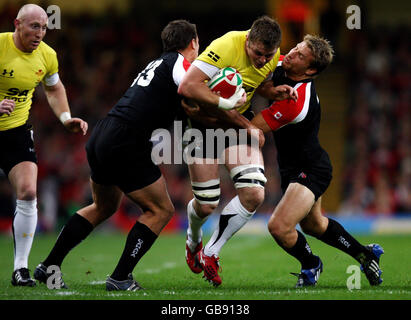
column 25, row 61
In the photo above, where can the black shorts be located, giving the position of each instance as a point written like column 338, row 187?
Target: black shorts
column 210, row 146
column 317, row 179
column 120, row 155
column 18, row 146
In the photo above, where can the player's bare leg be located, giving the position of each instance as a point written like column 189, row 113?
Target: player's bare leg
column 106, row 201
column 155, row 203
column 157, row 212
column 294, row 207
column 314, row 223
column 23, row 178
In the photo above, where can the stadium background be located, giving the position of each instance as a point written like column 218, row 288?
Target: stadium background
column 365, row 94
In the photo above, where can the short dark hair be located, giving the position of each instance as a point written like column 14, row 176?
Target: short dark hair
column 177, row 35
column 267, row 31
column 322, row 51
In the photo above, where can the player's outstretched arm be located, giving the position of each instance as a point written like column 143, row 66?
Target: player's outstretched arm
column 231, row 119
column 278, row 93
column 260, row 123
column 57, row 98
column 212, row 120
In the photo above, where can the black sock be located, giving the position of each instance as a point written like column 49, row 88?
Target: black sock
column 75, row 231
column 139, row 241
column 302, row 252
column 338, row 237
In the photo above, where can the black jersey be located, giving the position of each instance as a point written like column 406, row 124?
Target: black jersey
column 152, row 100
column 296, row 125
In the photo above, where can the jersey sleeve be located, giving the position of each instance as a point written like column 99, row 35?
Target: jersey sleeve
column 180, row 68
column 284, row 112
column 52, row 63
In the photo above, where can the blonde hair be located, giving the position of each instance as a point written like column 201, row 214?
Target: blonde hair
column 322, row 51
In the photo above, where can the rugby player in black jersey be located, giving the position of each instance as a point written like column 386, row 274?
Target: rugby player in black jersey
column 305, row 167
column 119, row 155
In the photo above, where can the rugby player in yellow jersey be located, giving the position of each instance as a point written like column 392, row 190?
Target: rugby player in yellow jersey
column 254, row 53
column 25, row 61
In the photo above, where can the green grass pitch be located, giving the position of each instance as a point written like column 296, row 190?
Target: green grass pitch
column 254, row 267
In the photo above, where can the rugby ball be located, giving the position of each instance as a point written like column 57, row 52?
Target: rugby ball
column 226, row 82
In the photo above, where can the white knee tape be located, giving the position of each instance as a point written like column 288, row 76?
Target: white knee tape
column 207, row 192
column 249, row 175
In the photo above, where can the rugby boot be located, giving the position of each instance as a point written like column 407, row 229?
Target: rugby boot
column 21, row 277
column 370, row 265
column 124, row 285
column 41, row 275
column 192, row 258
column 211, row 267
column 309, row 277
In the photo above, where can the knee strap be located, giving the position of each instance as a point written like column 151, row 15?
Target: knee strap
column 207, row 192
column 250, row 175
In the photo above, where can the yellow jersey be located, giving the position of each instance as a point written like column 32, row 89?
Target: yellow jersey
column 20, row 73
column 229, row 51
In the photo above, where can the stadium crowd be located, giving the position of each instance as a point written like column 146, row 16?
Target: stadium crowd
column 377, row 175
column 99, row 60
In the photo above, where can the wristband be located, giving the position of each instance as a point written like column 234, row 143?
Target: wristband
column 64, row 116
column 225, row 104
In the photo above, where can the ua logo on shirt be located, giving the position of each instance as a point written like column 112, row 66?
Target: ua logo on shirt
column 8, row 74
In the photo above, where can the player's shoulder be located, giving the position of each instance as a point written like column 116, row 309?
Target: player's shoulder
column 169, row 56
column 235, row 34
column 228, row 43
column 4, row 35
column 4, row 38
column 173, row 57
column 45, row 49
column 233, row 37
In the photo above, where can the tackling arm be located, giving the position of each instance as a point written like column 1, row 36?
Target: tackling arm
column 193, row 87
column 214, row 117
column 260, row 123
column 236, row 120
column 278, row 93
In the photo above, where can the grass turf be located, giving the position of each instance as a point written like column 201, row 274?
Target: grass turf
column 254, row 268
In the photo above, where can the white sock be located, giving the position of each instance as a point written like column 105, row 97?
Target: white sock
column 194, row 232
column 232, row 219
column 24, row 226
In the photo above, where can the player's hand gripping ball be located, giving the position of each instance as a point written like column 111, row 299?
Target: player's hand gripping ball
column 226, row 82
